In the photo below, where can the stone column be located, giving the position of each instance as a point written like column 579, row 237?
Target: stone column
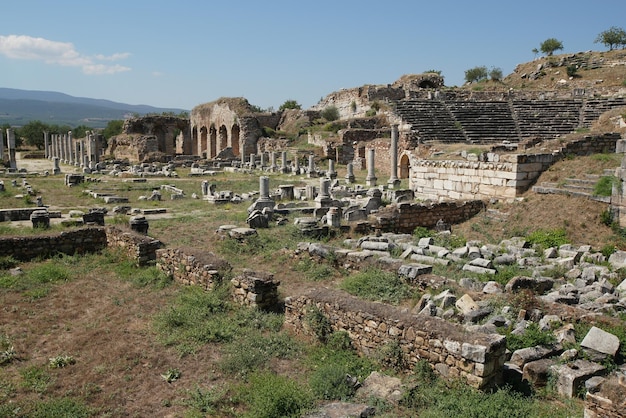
column 332, row 174
column 46, row 147
column 252, row 161
column 53, row 146
column 311, row 170
column 333, row 217
column 393, row 150
column 56, row 169
column 370, row 180
column 273, row 166
column 283, row 162
column 296, row 164
column 323, row 199
column 11, row 149
column 81, row 153
column 264, row 188
column 263, row 162
column 70, row 146
column 243, row 160
column 350, row 174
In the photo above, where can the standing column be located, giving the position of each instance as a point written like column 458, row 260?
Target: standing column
column 350, row 173
column 46, row 147
column 1, row 146
column 311, row 170
column 81, row 153
column 393, row 150
column 11, row 149
column 263, row 162
column 252, row 161
column 64, row 148
column 264, row 188
column 273, row 166
column 370, row 180
column 296, row 164
column 323, row 199
column 70, row 147
column 332, row 174
column 283, row 162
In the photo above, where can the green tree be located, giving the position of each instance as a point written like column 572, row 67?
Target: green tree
column 495, row 74
column 114, row 127
column 80, row 131
column 32, row 133
column 330, row 113
column 3, row 135
column 290, row 104
column 476, row 74
column 612, row 37
column 550, row 45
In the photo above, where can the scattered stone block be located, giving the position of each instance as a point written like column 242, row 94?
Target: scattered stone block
column 466, row 304
column 537, row 372
column 571, row 376
column 601, row 341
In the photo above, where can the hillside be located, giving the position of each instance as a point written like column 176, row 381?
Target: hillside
column 18, row 107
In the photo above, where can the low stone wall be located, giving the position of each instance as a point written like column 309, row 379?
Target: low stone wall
column 256, row 289
column 452, row 351
column 80, row 241
column 138, row 247
column 192, row 267
column 17, row 214
column 405, row 217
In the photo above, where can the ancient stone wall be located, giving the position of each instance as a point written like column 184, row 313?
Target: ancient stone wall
column 255, row 289
column 133, row 147
column 405, row 217
column 17, row 214
column 452, row 351
column 80, row 241
column 608, row 400
column 192, row 267
column 501, row 176
column 138, row 247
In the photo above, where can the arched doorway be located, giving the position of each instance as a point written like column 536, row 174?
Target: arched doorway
column 404, row 166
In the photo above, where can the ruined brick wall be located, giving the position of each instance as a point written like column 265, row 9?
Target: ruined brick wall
column 192, row 267
column 405, row 217
column 588, row 145
column 272, row 145
column 138, row 247
column 452, row 351
column 597, row 406
column 133, row 147
column 80, row 241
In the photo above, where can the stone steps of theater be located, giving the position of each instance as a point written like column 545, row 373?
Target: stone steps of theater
column 573, row 187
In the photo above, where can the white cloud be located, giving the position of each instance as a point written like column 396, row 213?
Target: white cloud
column 58, row 53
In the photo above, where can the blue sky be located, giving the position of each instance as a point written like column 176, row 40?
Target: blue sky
column 183, row 53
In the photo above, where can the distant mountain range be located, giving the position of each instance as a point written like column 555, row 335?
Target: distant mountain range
column 18, row 107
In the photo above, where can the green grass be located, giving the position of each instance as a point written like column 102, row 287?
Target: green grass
column 531, row 337
column 548, row 238
column 377, row 285
column 269, row 395
column 604, row 186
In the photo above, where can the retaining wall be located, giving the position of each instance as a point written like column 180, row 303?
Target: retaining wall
column 452, row 351
column 192, row 267
column 405, row 217
column 138, row 247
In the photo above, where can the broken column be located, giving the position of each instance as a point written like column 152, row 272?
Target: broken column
column 273, row 166
column 264, row 200
column 350, row 173
column 323, row 199
column 370, row 180
column 296, row 164
column 139, row 224
column 263, row 162
column 333, row 217
column 56, row 169
column 252, row 161
column 332, row 174
column 283, row 162
column 393, row 151
column 11, row 149
column 311, row 170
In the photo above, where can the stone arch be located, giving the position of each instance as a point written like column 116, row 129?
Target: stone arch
column 212, row 151
column 234, row 139
column 203, row 142
column 405, row 165
column 223, row 137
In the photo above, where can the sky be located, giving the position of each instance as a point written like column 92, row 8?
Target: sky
column 179, row 54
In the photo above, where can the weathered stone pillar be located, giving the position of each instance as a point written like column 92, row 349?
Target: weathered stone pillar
column 323, row 199
column 70, row 146
column 370, row 180
column 263, row 162
column 333, row 217
column 11, row 149
column 311, row 169
column 296, row 164
column 56, row 168
column 350, row 173
column 205, row 188
column 283, row 162
column 264, row 187
column 52, row 146
column 1, row 146
column 139, row 224
column 252, row 161
column 46, row 147
column 273, row 166
column 393, row 151
column 243, row 160
column 81, row 153
column 331, row 169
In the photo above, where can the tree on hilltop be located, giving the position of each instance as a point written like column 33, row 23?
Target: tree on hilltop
column 612, row 37
column 550, row 45
column 290, row 104
column 476, row 74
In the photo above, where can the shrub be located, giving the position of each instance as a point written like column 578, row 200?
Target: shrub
column 330, row 113
column 204, row 401
column 531, row 337
column 391, row 356
column 572, row 70
column 378, row 285
column 421, row 232
column 319, row 323
column 7, row 262
column 331, row 382
column 476, row 74
column 548, row 238
column 61, row 361
column 270, row 395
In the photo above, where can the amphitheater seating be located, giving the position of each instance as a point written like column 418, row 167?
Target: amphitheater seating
column 486, row 121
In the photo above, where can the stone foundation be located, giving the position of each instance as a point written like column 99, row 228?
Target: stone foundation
column 138, row 247
column 452, row 351
column 192, row 267
column 255, row 289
